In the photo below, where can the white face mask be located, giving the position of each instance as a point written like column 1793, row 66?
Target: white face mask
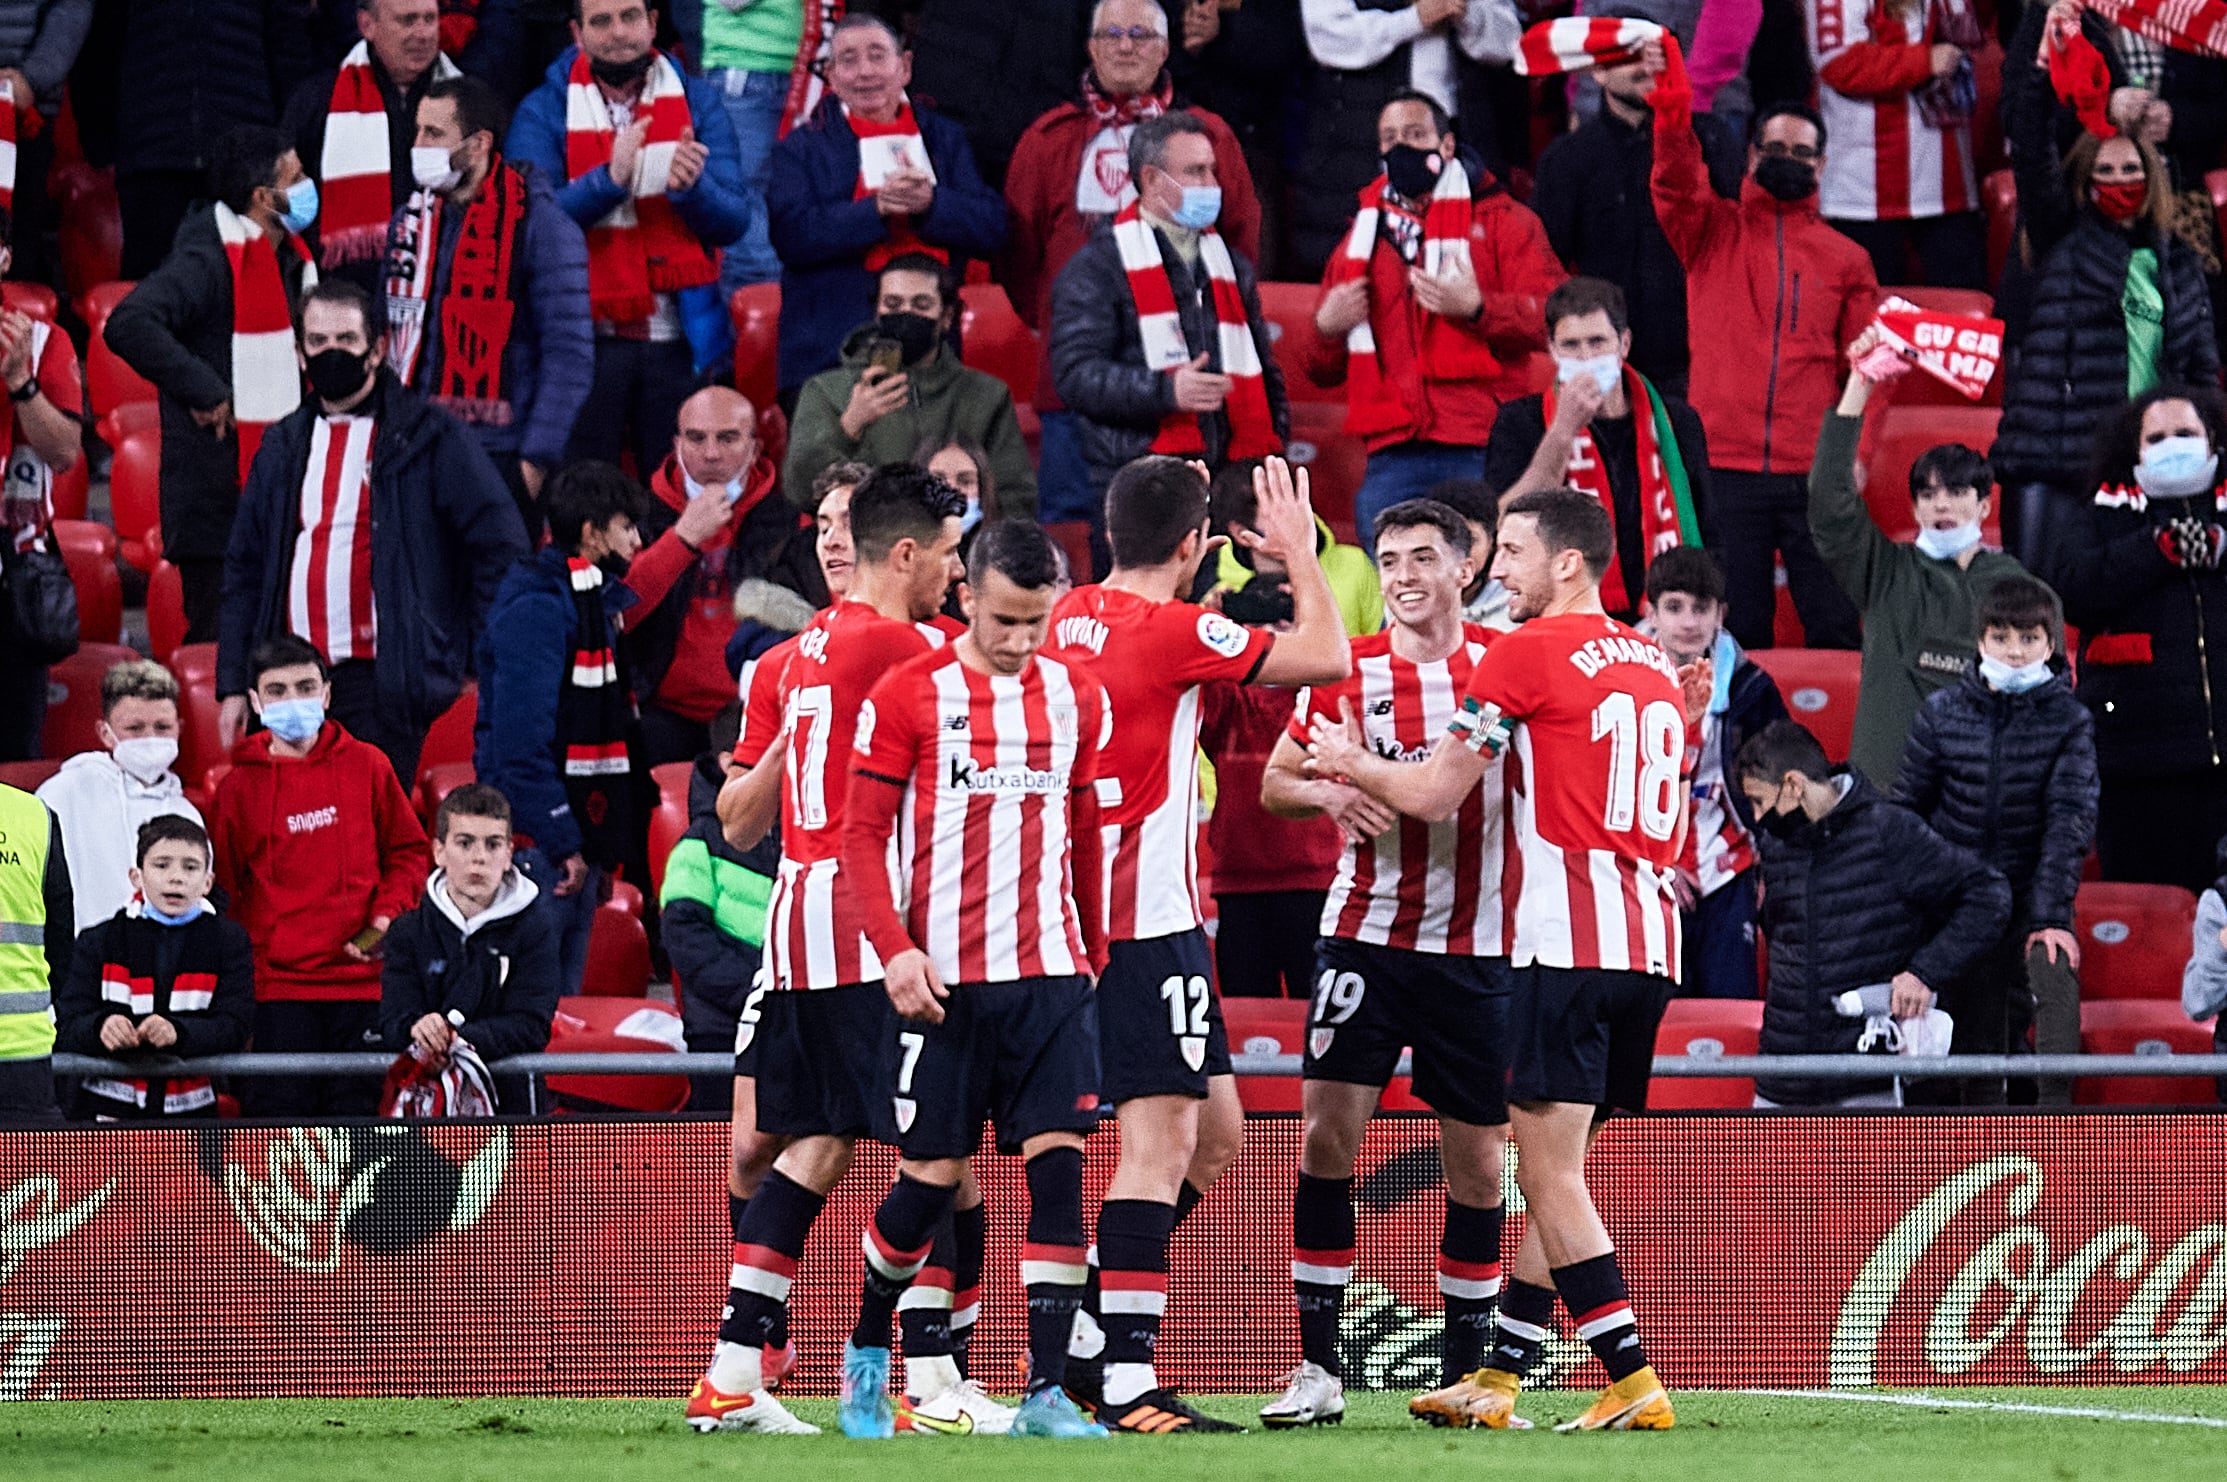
column 146, row 758
column 432, row 168
column 1607, row 371
column 1947, row 545
column 2014, row 681
column 2176, row 467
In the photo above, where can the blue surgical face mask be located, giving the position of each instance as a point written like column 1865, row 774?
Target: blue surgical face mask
column 1201, row 208
column 2177, row 467
column 1947, row 545
column 1606, row 370
column 149, row 910
column 2014, row 681
column 732, row 489
column 301, row 205
column 972, row 517
column 294, row 721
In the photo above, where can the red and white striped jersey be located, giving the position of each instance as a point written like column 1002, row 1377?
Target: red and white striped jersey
column 814, row 938
column 1151, row 657
column 1718, row 845
column 987, row 762
column 760, row 681
column 328, row 589
column 1594, row 784
column 1419, row 886
column 1885, row 161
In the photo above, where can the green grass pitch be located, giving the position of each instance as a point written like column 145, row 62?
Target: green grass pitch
column 1968, row 1434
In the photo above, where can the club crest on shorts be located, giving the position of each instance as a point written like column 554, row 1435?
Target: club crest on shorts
column 1318, row 1041
column 907, row 1109
column 1194, row 1050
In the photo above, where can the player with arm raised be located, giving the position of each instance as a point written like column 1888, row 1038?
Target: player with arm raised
column 974, row 786
column 1590, row 718
column 820, row 1026
column 1164, row 1055
column 1412, row 953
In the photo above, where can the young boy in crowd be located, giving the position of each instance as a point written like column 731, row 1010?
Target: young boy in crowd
column 2003, row 763
column 476, row 961
column 1716, row 875
column 1856, row 893
column 318, row 851
column 102, row 797
column 1484, row 600
column 167, row 977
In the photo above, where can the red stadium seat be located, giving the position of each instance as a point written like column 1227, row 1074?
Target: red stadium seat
column 135, row 496
column 90, row 225
column 1335, row 463
column 618, row 955
column 1073, row 538
column 166, row 612
column 1289, row 309
column 1819, row 685
column 1700, row 1027
column 109, row 382
column 626, row 896
column 1999, row 199
column 435, row 783
column 73, row 490
column 1267, row 1026
column 670, row 819
column 1786, row 622
column 1904, row 433
column 2134, row 1027
column 129, row 417
column 617, row 1025
column 756, row 311
column 1919, row 389
column 2134, row 939
column 89, row 549
column 995, row 340
column 450, row 739
column 73, row 698
column 28, row 776
column 199, row 746
column 773, row 433
column 34, row 299
column 2215, row 181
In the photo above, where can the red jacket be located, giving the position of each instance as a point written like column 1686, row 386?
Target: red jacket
column 1253, row 849
column 1451, row 377
column 310, row 849
column 695, row 682
column 1774, row 296
column 1043, row 229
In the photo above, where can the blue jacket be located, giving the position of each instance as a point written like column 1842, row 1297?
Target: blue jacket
column 552, row 343
column 524, row 650
column 823, row 234
column 443, row 531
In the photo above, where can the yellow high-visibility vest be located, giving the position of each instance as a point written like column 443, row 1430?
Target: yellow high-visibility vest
column 26, row 998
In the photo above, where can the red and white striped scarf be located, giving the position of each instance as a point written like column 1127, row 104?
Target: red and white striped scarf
column 2185, row 25
column 7, row 146
column 355, row 171
column 595, row 714
column 641, row 248
column 884, row 148
column 266, row 379
column 1160, row 327
column 1579, row 42
column 1370, row 407
column 805, row 83
column 27, row 493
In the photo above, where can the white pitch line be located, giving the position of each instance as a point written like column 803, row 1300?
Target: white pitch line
column 1938, row 1402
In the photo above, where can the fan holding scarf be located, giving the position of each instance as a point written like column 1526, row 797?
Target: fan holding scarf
column 1604, row 429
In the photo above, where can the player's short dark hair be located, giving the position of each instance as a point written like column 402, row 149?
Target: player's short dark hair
column 1577, row 297
column 2015, row 602
column 1688, row 569
column 343, row 294
column 1017, row 550
column 1230, row 499
column 1472, row 499
column 1569, row 520
column 479, row 108
column 245, row 160
column 857, row 19
column 1781, row 747
column 900, row 501
column 844, row 473
column 1419, row 514
column 947, row 287
column 588, row 494
column 1441, row 120
column 472, row 800
column 1788, row 109
column 284, row 651
column 1152, row 503
column 1952, row 466
column 1148, row 145
column 172, row 828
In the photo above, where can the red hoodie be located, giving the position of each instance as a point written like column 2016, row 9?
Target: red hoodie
column 1254, row 850
column 310, row 849
column 696, row 683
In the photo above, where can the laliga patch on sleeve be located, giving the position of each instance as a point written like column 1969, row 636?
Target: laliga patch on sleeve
column 1221, row 635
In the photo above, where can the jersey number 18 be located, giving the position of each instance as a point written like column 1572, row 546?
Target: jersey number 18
column 1644, row 749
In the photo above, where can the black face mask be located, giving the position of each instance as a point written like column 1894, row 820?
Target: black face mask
column 915, row 334
column 337, row 375
column 613, row 566
column 620, row 74
column 1785, row 179
column 1791, row 826
column 1410, row 171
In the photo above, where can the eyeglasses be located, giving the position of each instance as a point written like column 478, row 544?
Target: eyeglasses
column 1134, row 35
column 1779, row 151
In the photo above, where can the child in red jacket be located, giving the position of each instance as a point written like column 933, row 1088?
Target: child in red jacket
column 319, row 851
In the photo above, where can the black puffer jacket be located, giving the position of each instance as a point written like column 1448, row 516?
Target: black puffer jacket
column 1098, row 360
column 2071, row 368
column 2013, row 779
column 1865, row 893
column 2153, row 656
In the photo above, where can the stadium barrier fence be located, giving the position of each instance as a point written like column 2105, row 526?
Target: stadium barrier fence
column 588, row 1257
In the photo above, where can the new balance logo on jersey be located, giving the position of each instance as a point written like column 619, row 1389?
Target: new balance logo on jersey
column 310, row 822
column 1382, row 707
column 965, row 776
column 1596, row 654
column 955, row 721
column 1081, row 632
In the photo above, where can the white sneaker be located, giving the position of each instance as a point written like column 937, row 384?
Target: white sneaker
column 1312, row 1396
column 710, row 1409
column 960, row 1410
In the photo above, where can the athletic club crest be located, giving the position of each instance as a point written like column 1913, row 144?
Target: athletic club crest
column 907, row 1109
column 1194, row 1050
column 1318, row 1042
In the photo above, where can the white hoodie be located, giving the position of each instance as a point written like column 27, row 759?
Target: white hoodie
column 100, row 807
column 514, row 895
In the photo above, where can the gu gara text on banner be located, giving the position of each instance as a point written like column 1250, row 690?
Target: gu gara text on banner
column 584, row 1258
column 1959, row 352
